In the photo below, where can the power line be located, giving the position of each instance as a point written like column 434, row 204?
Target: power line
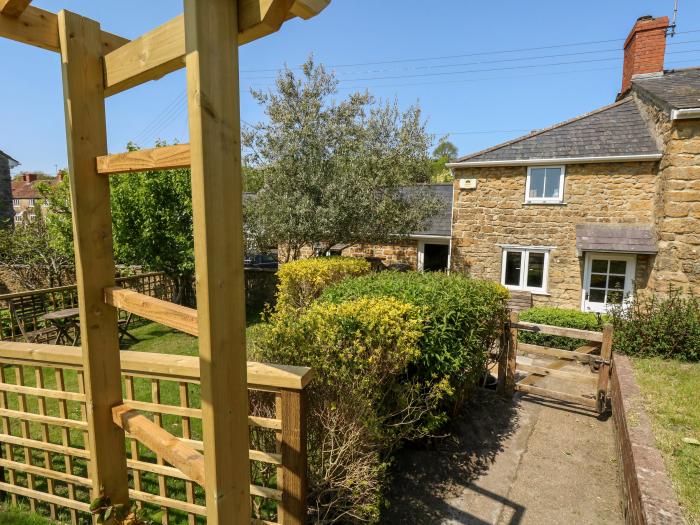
column 464, row 55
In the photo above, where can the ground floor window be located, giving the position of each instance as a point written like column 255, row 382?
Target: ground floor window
column 433, row 255
column 525, row 269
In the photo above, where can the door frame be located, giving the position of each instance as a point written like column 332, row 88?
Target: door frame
column 630, row 272
column 420, row 250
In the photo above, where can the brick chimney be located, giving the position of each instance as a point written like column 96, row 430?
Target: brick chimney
column 29, row 177
column 644, row 49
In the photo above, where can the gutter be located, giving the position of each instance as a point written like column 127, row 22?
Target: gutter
column 560, row 160
column 682, row 114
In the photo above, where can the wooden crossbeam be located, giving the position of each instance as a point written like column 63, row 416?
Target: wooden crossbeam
column 586, row 335
column 166, row 157
column 163, row 312
column 554, row 352
column 561, row 396
column 171, row 448
column 39, row 28
column 13, row 7
column 162, row 50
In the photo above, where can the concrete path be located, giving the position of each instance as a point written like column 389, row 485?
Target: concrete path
column 526, row 461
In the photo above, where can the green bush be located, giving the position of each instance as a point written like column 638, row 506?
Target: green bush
column 361, row 405
column 559, row 317
column 463, row 317
column 665, row 326
column 300, row 282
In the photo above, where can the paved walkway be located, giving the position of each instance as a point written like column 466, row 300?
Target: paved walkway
column 526, row 461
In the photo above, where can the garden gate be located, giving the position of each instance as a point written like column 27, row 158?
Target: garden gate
column 597, row 352
column 96, row 64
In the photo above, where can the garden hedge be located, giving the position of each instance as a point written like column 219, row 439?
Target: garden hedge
column 563, row 317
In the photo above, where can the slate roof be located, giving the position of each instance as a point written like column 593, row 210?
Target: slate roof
column 441, row 223
column 675, row 89
column 13, row 162
column 615, row 238
column 614, row 130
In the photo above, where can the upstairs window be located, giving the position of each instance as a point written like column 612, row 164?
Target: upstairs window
column 545, row 184
column 15, row 202
column 525, row 269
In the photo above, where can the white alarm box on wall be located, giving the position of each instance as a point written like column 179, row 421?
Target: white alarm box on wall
column 467, row 184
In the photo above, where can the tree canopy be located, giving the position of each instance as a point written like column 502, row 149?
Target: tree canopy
column 333, row 169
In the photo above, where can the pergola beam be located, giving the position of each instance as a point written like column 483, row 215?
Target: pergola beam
column 13, row 7
column 39, row 28
column 162, row 50
column 163, row 158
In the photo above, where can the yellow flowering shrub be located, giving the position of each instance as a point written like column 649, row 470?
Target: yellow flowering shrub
column 300, row 282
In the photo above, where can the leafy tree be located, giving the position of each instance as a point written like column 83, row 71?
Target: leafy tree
column 442, row 154
column 445, row 149
column 29, row 254
column 333, row 170
column 151, row 223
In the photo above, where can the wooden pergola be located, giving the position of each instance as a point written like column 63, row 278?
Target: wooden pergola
column 96, row 64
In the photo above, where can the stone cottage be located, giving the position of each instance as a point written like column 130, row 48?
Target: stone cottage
column 6, row 164
column 580, row 214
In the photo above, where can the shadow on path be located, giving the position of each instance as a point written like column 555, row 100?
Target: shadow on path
column 424, row 478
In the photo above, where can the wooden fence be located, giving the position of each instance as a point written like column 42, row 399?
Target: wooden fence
column 45, row 445
column 35, row 303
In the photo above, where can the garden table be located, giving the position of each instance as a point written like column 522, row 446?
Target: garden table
column 64, row 321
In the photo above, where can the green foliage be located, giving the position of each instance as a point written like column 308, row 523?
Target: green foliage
column 151, row 222
column 301, row 281
column 445, row 152
column 12, row 515
column 463, row 318
column 563, row 317
column 332, row 169
column 361, row 404
column 31, row 255
column 665, row 326
column 119, row 514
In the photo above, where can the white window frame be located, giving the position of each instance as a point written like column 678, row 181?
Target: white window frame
column 16, row 202
column 545, row 200
column 630, row 273
column 524, row 261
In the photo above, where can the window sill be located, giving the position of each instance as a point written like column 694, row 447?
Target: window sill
column 544, row 203
column 533, row 292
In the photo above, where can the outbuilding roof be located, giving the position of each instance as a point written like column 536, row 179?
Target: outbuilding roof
column 441, row 223
column 674, row 89
column 13, row 162
column 617, row 130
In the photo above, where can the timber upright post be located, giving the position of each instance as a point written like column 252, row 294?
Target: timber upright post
column 86, row 135
column 211, row 38
column 605, row 368
column 506, row 363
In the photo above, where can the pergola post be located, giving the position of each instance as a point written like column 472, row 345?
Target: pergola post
column 81, row 55
column 211, row 37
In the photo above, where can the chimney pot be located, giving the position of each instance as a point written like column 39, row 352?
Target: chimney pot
column 645, row 48
column 29, row 177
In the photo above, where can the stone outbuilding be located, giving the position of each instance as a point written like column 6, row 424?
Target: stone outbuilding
column 581, row 214
column 6, row 211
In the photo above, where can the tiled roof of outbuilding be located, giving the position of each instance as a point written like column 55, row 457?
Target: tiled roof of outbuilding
column 441, row 223
column 615, row 130
column 675, row 89
column 13, row 162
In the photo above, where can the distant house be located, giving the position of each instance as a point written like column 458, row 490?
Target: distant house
column 580, row 214
column 26, row 195
column 6, row 164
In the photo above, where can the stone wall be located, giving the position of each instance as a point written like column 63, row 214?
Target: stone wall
column 678, row 210
column 647, row 494
column 495, row 213
column 405, row 253
column 6, row 211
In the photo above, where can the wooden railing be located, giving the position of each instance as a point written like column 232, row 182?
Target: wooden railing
column 154, row 284
column 45, row 452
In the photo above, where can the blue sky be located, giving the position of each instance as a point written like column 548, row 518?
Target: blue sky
column 458, row 59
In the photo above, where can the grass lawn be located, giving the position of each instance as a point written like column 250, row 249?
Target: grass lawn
column 20, row 516
column 151, row 337
column 671, row 391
